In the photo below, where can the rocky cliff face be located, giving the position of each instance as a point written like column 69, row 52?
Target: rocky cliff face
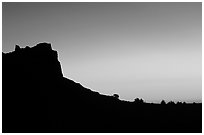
column 29, row 74
column 39, row 61
column 36, row 96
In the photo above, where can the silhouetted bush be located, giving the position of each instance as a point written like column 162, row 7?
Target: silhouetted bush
column 116, row 96
column 17, row 48
column 163, row 102
column 179, row 103
column 171, row 103
column 139, row 101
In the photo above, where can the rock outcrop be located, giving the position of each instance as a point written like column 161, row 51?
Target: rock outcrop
column 37, row 98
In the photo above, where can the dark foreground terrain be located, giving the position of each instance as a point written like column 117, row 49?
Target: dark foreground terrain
column 37, row 98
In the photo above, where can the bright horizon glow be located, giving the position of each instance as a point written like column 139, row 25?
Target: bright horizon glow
column 147, row 50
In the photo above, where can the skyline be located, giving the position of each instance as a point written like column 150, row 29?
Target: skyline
column 137, row 50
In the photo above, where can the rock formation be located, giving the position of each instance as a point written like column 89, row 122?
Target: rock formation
column 37, row 98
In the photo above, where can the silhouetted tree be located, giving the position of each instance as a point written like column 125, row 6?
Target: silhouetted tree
column 179, row 103
column 141, row 101
column 163, row 102
column 116, row 96
column 170, row 103
column 138, row 101
column 17, row 48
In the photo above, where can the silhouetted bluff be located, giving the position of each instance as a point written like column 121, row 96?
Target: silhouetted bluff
column 37, row 98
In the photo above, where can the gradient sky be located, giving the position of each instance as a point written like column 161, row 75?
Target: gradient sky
column 146, row 50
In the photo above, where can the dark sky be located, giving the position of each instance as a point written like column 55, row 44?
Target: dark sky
column 147, row 50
